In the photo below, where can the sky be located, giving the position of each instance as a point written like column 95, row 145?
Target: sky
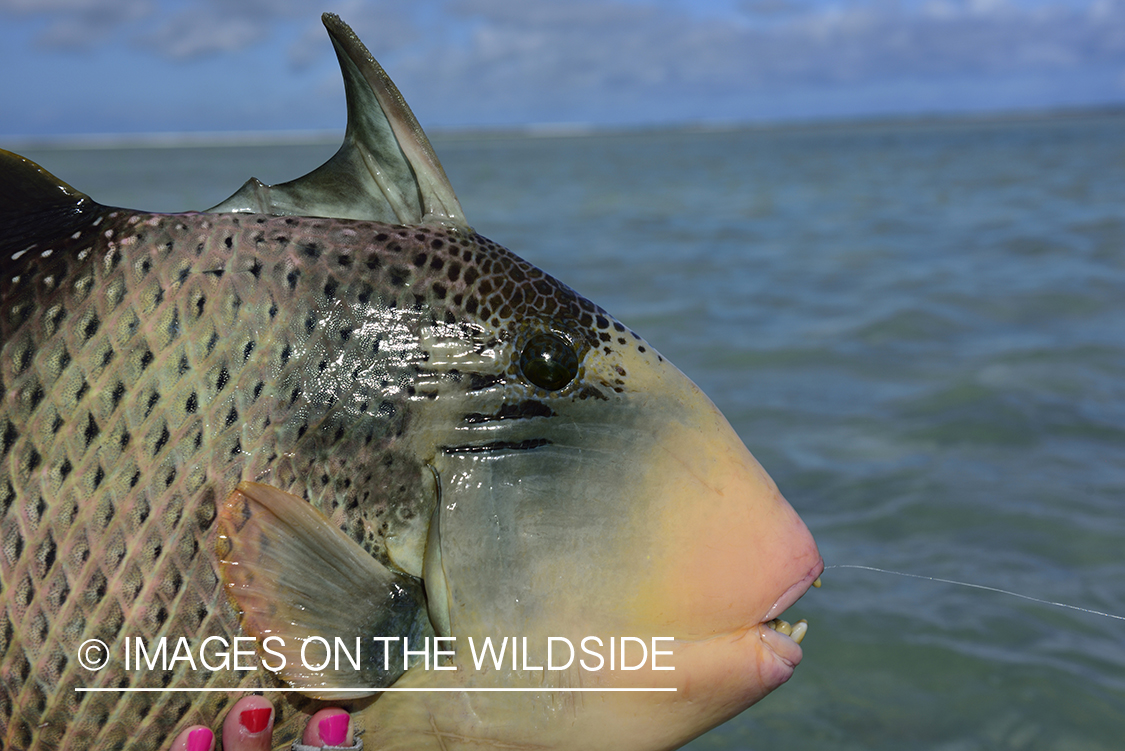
column 81, row 67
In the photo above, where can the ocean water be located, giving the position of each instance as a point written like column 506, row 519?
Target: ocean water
column 918, row 329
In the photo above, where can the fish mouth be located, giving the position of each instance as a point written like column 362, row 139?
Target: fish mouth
column 781, row 637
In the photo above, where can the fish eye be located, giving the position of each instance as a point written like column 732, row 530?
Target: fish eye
column 549, row 361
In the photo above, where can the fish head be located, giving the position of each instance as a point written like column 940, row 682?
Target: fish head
column 592, row 490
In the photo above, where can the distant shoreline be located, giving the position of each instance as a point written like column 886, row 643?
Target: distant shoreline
column 221, row 139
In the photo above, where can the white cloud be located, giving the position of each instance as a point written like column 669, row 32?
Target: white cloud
column 169, row 29
column 629, row 39
column 189, row 35
column 79, row 24
column 627, row 51
column 55, row 6
column 507, row 61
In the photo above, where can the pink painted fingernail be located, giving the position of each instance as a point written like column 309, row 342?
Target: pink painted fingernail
column 334, row 729
column 255, row 720
column 200, row 740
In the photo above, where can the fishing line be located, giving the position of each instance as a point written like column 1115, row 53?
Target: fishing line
column 978, row 586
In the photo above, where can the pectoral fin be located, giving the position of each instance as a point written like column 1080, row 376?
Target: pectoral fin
column 385, row 170
column 293, row 575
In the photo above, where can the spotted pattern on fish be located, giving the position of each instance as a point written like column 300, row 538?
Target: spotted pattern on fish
column 151, row 362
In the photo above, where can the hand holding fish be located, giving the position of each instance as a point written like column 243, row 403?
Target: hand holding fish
column 249, row 727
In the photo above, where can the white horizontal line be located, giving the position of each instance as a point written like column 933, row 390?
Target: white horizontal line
column 359, row 690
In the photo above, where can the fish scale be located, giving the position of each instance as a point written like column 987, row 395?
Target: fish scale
column 146, row 404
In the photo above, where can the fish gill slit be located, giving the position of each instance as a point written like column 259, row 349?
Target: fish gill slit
column 528, row 444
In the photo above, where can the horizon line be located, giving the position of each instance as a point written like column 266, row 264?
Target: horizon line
column 322, row 136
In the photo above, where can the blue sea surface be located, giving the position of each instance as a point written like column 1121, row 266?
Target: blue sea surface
column 919, row 330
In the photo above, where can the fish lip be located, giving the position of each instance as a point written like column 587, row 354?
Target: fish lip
column 795, row 592
column 787, row 651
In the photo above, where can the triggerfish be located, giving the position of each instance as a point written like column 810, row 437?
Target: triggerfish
column 325, row 437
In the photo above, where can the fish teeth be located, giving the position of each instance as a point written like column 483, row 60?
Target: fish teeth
column 800, row 628
column 795, row 631
column 780, row 626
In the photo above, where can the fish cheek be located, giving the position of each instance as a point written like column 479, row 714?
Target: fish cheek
column 535, row 543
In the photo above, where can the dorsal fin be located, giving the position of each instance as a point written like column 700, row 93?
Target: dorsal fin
column 36, row 206
column 386, row 170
